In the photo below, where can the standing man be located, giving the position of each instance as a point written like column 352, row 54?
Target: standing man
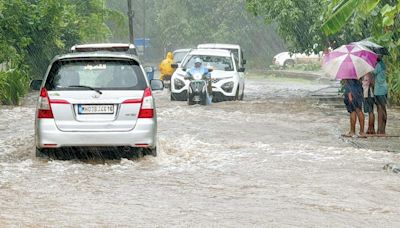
column 353, row 98
column 381, row 91
column 367, row 84
column 166, row 69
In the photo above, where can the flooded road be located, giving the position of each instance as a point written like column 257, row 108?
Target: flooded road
column 275, row 159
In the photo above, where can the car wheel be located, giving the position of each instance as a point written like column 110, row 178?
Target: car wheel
column 41, row 153
column 237, row 94
column 204, row 100
column 190, row 102
column 151, row 151
column 242, row 96
column 173, row 98
column 288, row 63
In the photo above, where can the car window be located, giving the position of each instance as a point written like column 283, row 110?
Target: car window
column 235, row 53
column 99, row 74
column 215, row 62
column 178, row 56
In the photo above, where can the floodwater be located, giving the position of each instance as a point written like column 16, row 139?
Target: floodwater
column 275, row 159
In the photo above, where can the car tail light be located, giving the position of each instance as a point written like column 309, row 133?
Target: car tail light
column 142, row 145
column 147, row 108
column 44, row 108
column 132, row 101
column 50, row 145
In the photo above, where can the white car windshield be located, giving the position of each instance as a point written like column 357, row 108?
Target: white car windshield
column 215, row 62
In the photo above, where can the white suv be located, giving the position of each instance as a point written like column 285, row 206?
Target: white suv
column 96, row 100
column 286, row 59
column 228, row 80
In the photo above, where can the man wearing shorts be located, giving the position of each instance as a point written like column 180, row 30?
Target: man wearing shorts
column 381, row 91
column 353, row 99
column 367, row 84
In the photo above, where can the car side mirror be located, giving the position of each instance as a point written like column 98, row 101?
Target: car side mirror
column 36, row 84
column 242, row 69
column 174, row 65
column 156, row 84
column 244, row 61
column 210, row 70
column 184, row 69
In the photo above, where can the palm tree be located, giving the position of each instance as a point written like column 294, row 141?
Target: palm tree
column 340, row 11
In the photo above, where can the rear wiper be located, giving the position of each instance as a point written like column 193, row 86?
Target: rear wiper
column 86, row 87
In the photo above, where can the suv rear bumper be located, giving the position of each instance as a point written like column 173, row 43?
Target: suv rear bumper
column 49, row 136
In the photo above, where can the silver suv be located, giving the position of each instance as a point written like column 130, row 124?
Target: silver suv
column 96, row 100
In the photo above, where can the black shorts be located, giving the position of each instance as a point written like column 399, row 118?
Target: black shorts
column 356, row 103
column 381, row 100
column 369, row 104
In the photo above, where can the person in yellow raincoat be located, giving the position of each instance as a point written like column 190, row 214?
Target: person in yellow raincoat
column 165, row 68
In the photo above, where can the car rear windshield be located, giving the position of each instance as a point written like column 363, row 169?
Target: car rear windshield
column 98, row 74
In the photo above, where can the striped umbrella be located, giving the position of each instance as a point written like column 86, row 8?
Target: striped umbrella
column 349, row 62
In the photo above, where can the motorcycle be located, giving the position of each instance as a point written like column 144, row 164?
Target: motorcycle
column 167, row 82
column 199, row 89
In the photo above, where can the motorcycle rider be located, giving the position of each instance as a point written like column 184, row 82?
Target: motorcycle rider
column 199, row 68
column 166, row 69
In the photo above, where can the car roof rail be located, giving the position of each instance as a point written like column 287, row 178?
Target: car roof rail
column 111, row 47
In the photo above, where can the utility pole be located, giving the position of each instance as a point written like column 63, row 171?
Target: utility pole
column 130, row 17
column 144, row 29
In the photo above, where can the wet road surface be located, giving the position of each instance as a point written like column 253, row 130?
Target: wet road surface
column 275, row 159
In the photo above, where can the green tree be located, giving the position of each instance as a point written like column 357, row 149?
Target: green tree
column 299, row 23
column 32, row 32
column 192, row 22
column 382, row 20
column 173, row 24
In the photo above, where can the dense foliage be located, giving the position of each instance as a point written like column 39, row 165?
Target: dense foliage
column 317, row 24
column 383, row 20
column 32, row 32
column 172, row 24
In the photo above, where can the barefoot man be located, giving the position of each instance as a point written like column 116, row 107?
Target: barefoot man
column 381, row 91
column 367, row 84
column 353, row 98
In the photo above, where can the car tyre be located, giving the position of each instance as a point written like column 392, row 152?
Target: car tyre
column 204, row 100
column 150, row 151
column 41, row 153
column 237, row 94
column 190, row 101
column 153, row 152
column 173, row 98
column 242, row 96
column 288, row 63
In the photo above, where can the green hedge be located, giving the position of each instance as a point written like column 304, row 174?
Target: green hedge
column 14, row 85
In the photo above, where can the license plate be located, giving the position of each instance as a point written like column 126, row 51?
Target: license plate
column 96, row 109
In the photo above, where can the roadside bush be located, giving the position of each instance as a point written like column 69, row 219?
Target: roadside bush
column 14, row 85
column 273, row 67
column 308, row 67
